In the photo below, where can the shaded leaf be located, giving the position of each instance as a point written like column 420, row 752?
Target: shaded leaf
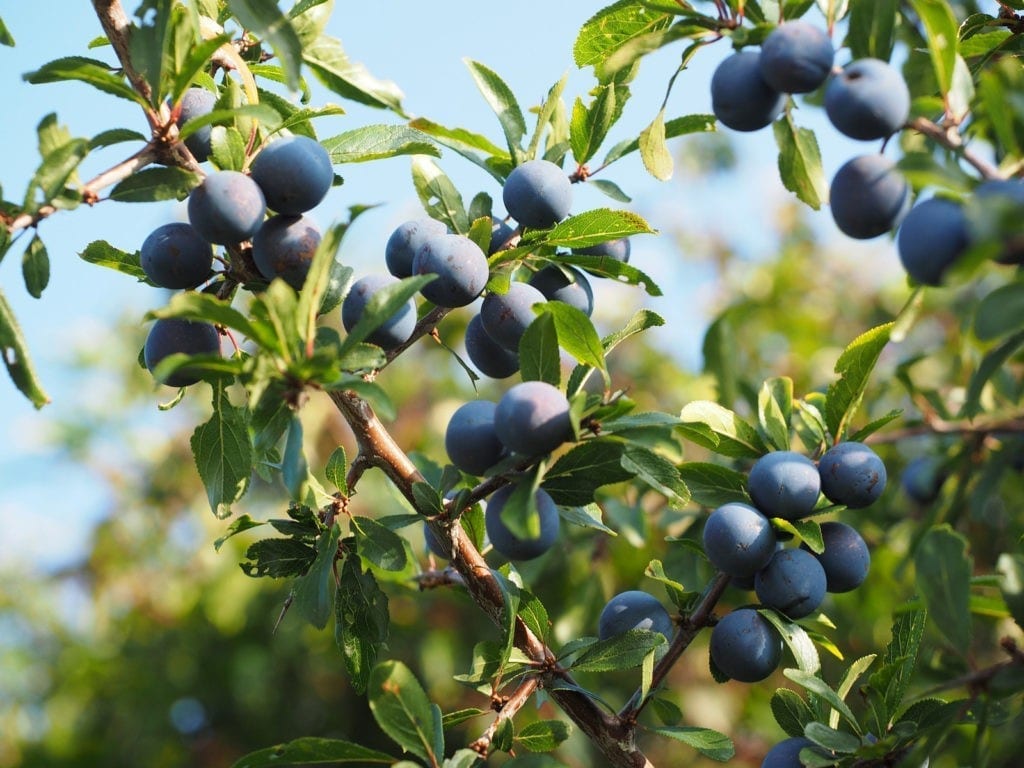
column 313, row 590
column 375, row 142
column 708, row 742
column 402, row 709
column 944, row 577
column 223, row 453
column 152, row 184
column 854, row 366
column 362, row 624
column 313, row 751
column 14, row 351
column 623, row 651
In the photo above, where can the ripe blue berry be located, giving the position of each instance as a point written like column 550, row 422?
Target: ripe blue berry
column 633, row 610
column 784, row 484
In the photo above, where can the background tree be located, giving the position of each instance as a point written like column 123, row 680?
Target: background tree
column 926, row 375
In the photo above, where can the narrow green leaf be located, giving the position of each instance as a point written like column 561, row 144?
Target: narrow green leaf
column 539, row 358
column 854, row 367
column 611, row 189
column 240, row 525
column 887, row 686
column 382, row 306
column 438, row 195
column 677, row 126
column 266, row 21
column 820, row 688
column 944, row 577
column 402, row 709
column 191, row 305
column 791, row 712
column 313, row 751
column 653, row 150
column 473, row 146
column 152, row 184
column 624, row 651
column 551, row 106
column 378, row 544
column 800, row 162
column 267, row 116
column 709, row 743
column 278, row 558
column 362, row 624
column 54, row 172
column 35, row 267
column 327, row 58
column 657, row 472
column 534, row 614
column 1000, row 312
column 313, row 590
column 501, row 99
column 6, row 38
column 603, row 266
column 849, row 679
column 196, row 61
column 543, row 735
column 941, row 27
column 337, row 470
column 774, row 408
column 807, row 531
column 92, row 71
column 223, row 453
column 318, row 283
column 294, row 468
column 14, row 351
column 376, row 142
column 797, row 640
column 831, row 739
column 589, row 124
column 989, row 366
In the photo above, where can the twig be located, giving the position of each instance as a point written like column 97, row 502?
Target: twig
column 690, row 627
column 425, row 326
column 977, row 681
column 936, row 426
column 117, row 27
column 507, row 709
column 950, row 138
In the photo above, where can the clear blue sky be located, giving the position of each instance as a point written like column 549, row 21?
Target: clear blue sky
column 420, row 46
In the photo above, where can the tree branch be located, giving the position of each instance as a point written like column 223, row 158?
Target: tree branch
column 936, row 426
column 950, row 138
column 117, row 27
column 614, row 738
column 508, row 709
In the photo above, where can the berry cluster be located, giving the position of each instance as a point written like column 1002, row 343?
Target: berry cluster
column 741, row 542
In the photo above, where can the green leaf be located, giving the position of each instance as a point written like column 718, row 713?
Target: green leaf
column 586, row 516
column 791, row 712
column 1010, row 568
column 941, row 35
column 676, row 591
column 624, row 651
column 313, row 751
column 501, row 99
column 712, row 485
column 854, row 367
column 888, row 685
column 1000, row 312
column 534, row 614
column 654, row 151
column 337, row 470
column 326, row 57
column 589, row 125
column 6, row 38
column 677, row 126
column 659, row 473
column 796, row 639
column 603, row 266
column 294, row 468
column 313, row 590
column 378, row 544
column 92, row 71
column 580, row 471
column 725, row 433
column 102, row 253
column 56, row 169
column 266, row 21
column 596, row 226
column 266, row 115
column 191, row 305
column 152, row 184
column 322, row 280
column 850, row 677
column 227, row 148
column 552, row 107
column 807, row 531
column 612, row 28
column 35, row 267
column 473, row 146
column 800, row 162
column 774, row 408
column 382, row 306
column 362, row 624
column 611, row 189
column 402, row 709
column 196, row 61
column 240, row 525
column 872, row 30
column 576, row 333
column 376, row 142
column 438, row 195
column 223, row 453
column 709, row 743
column 278, row 558
column 114, row 136
column 818, row 687
column 989, row 366
column 543, row 735
column 944, row 577
column 831, row 739
column 14, row 351
column 539, row 358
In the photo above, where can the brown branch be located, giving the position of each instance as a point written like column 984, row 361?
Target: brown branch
column 936, row 426
column 426, row 325
column 117, row 27
column 690, row 627
column 614, row 738
column 950, row 138
column 507, row 709
column 91, row 189
column 977, row 681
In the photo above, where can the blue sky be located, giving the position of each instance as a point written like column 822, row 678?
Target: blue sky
column 421, row 46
